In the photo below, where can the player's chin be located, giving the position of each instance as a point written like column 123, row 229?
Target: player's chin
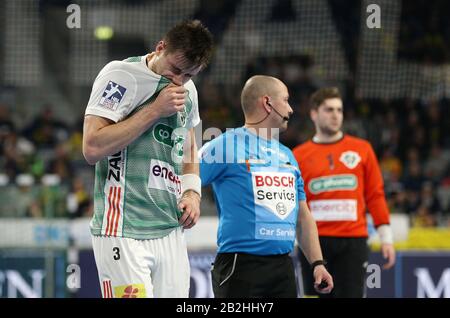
column 335, row 128
column 332, row 130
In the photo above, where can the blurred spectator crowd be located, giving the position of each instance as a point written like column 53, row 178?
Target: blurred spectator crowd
column 43, row 172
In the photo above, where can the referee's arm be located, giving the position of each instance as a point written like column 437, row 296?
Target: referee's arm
column 307, row 234
column 308, row 239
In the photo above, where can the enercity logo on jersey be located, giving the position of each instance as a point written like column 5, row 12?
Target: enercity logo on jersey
column 164, row 177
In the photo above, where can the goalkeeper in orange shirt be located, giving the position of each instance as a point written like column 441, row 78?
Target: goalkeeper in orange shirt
column 342, row 179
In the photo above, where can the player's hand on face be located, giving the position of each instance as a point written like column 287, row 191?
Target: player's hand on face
column 170, row 100
column 190, row 207
column 323, row 282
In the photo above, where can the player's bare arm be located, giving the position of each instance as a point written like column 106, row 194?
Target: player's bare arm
column 102, row 137
column 190, row 201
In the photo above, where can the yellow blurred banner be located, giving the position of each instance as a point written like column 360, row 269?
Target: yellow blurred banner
column 423, row 239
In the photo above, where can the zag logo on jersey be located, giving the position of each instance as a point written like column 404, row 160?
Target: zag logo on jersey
column 112, row 95
column 276, row 191
column 115, row 166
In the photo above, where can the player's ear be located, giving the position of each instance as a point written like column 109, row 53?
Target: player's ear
column 266, row 103
column 313, row 114
column 160, row 47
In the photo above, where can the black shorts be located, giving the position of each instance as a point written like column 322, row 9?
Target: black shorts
column 241, row 275
column 347, row 260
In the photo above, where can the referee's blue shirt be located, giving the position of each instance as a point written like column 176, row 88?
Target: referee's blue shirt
column 257, row 186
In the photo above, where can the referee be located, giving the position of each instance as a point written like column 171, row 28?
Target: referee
column 260, row 201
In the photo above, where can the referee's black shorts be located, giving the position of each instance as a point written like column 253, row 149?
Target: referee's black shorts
column 347, row 260
column 241, row 275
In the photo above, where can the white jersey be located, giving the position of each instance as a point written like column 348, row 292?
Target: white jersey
column 122, row 86
column 136, row 189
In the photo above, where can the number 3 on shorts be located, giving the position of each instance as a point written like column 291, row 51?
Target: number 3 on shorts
column 117, row 255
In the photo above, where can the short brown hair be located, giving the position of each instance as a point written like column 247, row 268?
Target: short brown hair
column 193, row 39
column 319, row 96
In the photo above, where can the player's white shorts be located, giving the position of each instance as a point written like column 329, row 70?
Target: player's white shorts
column 130, row 268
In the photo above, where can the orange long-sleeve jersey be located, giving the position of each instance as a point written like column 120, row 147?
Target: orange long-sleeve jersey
column 341, row 180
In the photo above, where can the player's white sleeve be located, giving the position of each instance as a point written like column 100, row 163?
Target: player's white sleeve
column 194, row 117
column 113, row 93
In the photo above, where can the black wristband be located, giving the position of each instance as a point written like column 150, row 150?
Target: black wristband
column 317, row 263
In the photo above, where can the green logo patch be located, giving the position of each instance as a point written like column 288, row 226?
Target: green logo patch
column 178, row 146
column 166, row 135
column 333, row 183
column 163, row 134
